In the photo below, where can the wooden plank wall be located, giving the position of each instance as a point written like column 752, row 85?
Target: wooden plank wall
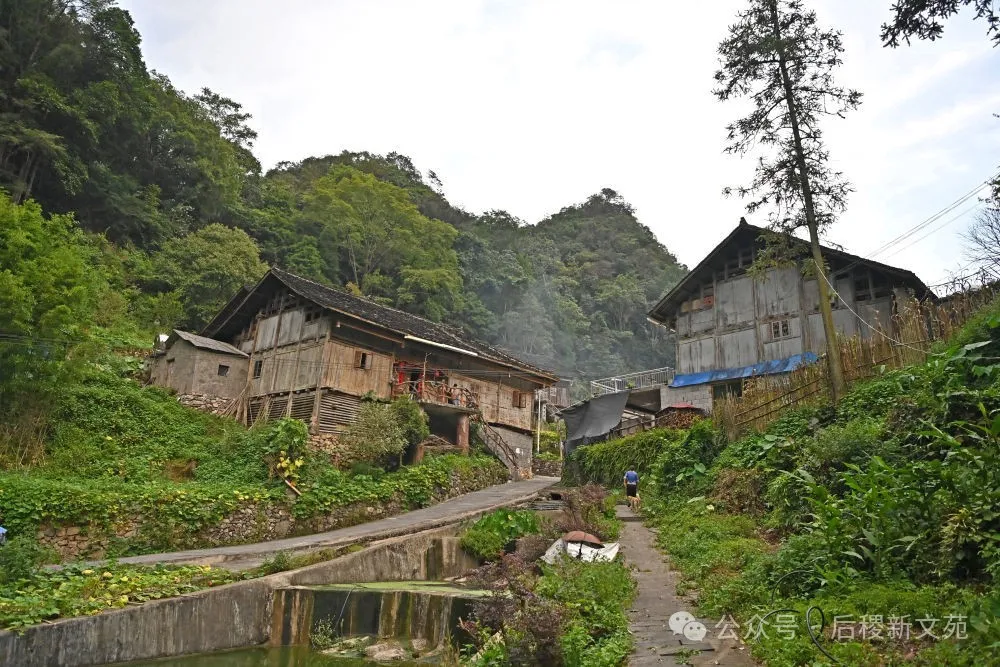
column 342, row 374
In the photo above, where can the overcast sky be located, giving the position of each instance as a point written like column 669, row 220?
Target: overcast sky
column 531, row 106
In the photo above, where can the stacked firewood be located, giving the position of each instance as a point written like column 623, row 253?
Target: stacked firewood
column 678, row 417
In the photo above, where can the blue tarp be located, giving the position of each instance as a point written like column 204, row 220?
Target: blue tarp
column 763, row 368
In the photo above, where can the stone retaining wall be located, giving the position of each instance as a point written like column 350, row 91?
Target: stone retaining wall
column 212, row 404
column 546, row 468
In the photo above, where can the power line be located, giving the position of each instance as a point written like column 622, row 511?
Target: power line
column 936, row 229
column 930, row 220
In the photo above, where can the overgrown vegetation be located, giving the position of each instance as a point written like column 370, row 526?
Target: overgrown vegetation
column 488, row 537
column 881, row 512
column 120, row 455
column 77, row 590
column 572, row 614
column 384, row 431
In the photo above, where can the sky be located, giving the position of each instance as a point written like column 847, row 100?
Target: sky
column 530, row 106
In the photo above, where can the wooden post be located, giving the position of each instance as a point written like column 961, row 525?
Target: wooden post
column 423, row 379
column 293, row 380
column 314, row 422
column 274, row 345
column 462, row 434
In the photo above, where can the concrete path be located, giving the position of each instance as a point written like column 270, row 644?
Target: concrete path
column 655, row 643
column 464, row 507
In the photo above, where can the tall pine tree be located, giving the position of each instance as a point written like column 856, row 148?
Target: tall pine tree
column 779, row 59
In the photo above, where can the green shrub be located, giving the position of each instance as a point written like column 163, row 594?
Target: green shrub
column 487, row 537
column 606, row 462
column 413, row 421
column 376, row 437
column 595, row 596
column 19, row 558
column 412, row 486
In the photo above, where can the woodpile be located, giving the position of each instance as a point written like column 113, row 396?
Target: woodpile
column 681, row 418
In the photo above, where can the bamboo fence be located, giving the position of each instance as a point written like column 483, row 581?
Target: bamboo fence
column 914, row 327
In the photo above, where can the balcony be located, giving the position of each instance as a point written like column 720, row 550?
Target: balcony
column 632, row 381
column 437, row 394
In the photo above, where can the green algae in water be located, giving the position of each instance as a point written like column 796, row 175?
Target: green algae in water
column 285, row 656
column 440, row 587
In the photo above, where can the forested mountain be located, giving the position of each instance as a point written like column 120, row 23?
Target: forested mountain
column 180, row 214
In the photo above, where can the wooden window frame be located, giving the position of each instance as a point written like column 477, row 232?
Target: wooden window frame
column 519, row 399
column 223, row 370
column 781, row 329
column 363, row 360
column 258, row 369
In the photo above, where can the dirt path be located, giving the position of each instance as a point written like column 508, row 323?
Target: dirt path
column 650, row 615
column 450, row 511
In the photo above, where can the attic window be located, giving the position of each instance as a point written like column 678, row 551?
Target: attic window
column 313, row 314
column 223, row 370
column 362, row 360
column 258, row 368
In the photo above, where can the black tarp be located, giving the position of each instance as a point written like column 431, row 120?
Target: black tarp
column 592, row 420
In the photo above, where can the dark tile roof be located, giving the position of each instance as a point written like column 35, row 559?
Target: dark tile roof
column 205, row 343
column 745, row 234
column 393, row 319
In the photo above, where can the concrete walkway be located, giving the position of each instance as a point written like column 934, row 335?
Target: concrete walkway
column 649, row 618
column 464, row 507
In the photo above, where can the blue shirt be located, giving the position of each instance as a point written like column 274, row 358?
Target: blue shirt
column 631, row 477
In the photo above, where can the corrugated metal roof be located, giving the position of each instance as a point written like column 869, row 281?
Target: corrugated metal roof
column 206, row 343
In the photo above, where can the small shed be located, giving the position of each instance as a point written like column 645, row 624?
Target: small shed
column 193, row 364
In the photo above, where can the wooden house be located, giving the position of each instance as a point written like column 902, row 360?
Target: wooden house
column 312, row 352
column 729, row 325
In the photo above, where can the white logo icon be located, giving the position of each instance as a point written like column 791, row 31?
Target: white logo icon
column 683, row 623
column 695, row 631
column 678, row 620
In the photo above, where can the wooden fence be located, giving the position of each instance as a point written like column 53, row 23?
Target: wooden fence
column 913, row 329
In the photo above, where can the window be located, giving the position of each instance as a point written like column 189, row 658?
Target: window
column 258, row 368
column 362, row 360
column 727, row 390
column 520, row 399
column 312, row 314
column 780, row 329
column 223, row 370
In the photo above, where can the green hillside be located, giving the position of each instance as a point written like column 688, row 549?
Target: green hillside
column 185, row 214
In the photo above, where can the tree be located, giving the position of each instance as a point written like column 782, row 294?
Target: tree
column 982, row 239
column 205, row 269
column 924, row 19
column 782, row 62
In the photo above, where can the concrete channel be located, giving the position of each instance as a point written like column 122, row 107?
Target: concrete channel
column 280, row 609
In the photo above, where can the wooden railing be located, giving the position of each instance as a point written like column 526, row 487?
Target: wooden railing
column 496, row 444
column 439, row 393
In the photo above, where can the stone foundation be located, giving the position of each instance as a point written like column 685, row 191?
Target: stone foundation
column 546, row 468
column 215, row 405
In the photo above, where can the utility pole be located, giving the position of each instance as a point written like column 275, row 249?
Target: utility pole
column 538, row 423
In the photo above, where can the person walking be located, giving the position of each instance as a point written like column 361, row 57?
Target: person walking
column 632, row 488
